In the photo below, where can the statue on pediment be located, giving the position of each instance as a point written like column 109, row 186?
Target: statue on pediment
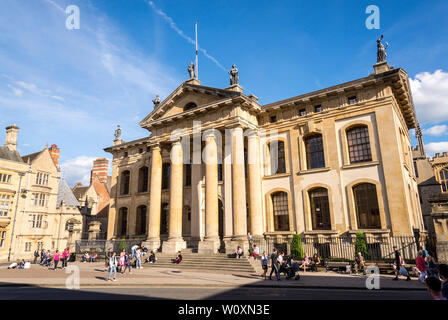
column 234, row 78
column 381, row 50
column 118, row 133
column 156, row 101
column 192, row 70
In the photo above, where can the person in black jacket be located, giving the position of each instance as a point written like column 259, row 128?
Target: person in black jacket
column 274, row 265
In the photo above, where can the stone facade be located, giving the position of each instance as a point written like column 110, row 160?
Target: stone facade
column 330, row 162
column 40, row 212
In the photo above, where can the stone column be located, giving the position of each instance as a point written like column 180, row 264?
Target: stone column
column 175, row 241
column 153, row 241
column 253, row 164
column 239, row 191
column 211, row 242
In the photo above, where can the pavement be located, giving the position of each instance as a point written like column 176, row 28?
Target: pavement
column 93, row 275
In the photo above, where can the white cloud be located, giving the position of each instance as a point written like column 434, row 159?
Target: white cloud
column 430, row 92
column 436, row 130
column 77, row 170
column 436, row 147
column 16, row 91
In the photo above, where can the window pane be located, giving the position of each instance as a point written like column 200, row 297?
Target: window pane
column 359, row 144
column 320, row 209
column 281, row 211
column 314, row 152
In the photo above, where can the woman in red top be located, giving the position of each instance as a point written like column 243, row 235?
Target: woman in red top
column 421, row 266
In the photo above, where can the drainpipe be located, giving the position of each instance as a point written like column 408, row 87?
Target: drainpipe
column 21, row 174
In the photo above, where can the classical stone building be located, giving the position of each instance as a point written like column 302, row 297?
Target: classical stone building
column 94, row 201
column 326, row 163
column 37, row 208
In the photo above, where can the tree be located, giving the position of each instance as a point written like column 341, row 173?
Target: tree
column 122, row 245
column 361, row 245
column 296, row 247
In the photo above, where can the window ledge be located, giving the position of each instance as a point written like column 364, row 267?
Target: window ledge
column 361, row 164
column 142, row 192
column 369, row 231
column 318, row 232
column 280, row 175
column 124, row 195
column 314, row 170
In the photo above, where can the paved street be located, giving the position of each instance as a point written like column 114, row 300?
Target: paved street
column 123, row 293
column 171, row 283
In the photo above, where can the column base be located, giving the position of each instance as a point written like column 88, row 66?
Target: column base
column 152, row 244
column 173, row 246
column 210, row 246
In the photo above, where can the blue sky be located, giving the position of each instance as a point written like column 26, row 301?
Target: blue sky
column 72, row 87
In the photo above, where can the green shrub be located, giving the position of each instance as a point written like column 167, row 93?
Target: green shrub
column 296, row 247
column 361, row 245
column 122, row 245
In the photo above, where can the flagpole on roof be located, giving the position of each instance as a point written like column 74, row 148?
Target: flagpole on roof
column 197, row 67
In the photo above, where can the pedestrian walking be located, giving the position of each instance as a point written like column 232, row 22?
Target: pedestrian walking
column 274, row 265
column 127, row 262
column 399, row 266
column 56, row 258
column 107, row 257
column 113, row 262
column 138, row 258
column 264, row 264
column 421, row 267
column 122, row 262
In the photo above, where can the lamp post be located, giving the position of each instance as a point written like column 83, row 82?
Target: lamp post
column 21, row 174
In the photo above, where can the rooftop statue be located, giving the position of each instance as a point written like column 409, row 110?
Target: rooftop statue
column 234, row 79
column 381, row 50
column 118, row 133
column 156, row 101
column 192, row 70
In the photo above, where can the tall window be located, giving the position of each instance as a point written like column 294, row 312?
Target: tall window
column 5, row 200
column 219, row 171
column 314, row 152
column 125, row 181
column 359, row 144
column 281, row 211
column 277, row 155
column 140, row 226
column 166, row 169
column 5, row 178
column 187, row 169
column 443, row 174
column 320, row 210
column 367, row 210
column 2, row 238
column 164, row 219
column 123, row 221
column 28, row 246
column 143, row 179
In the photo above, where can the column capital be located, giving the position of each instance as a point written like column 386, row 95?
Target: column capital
column 154, row 145
column 252, row 133
column 210, row 133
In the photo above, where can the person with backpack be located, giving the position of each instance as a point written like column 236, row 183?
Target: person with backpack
column 107, row 257
column 36, row 255
column 127, row 263
column 113, row 263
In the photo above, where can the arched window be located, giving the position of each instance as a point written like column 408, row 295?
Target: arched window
column 166, row 169
column 122, row 221
column 143, row 179
column 443, row 174
column 277, row 157
column 281, row 211
column 125, row 181
column 366, row 201
column 314, row 151
column 359, row 144
column 190, row 105
column 140, row 224
column 320, row 209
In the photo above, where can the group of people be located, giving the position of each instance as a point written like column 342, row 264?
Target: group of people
column 48, row 259
column 126, row 260
column 86, row 257
column 20, row 264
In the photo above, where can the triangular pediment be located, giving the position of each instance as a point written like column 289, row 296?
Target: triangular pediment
column 188, row 94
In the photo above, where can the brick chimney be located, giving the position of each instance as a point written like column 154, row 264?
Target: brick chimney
column 100, row 167
column 54, row 153
column 11, row 137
